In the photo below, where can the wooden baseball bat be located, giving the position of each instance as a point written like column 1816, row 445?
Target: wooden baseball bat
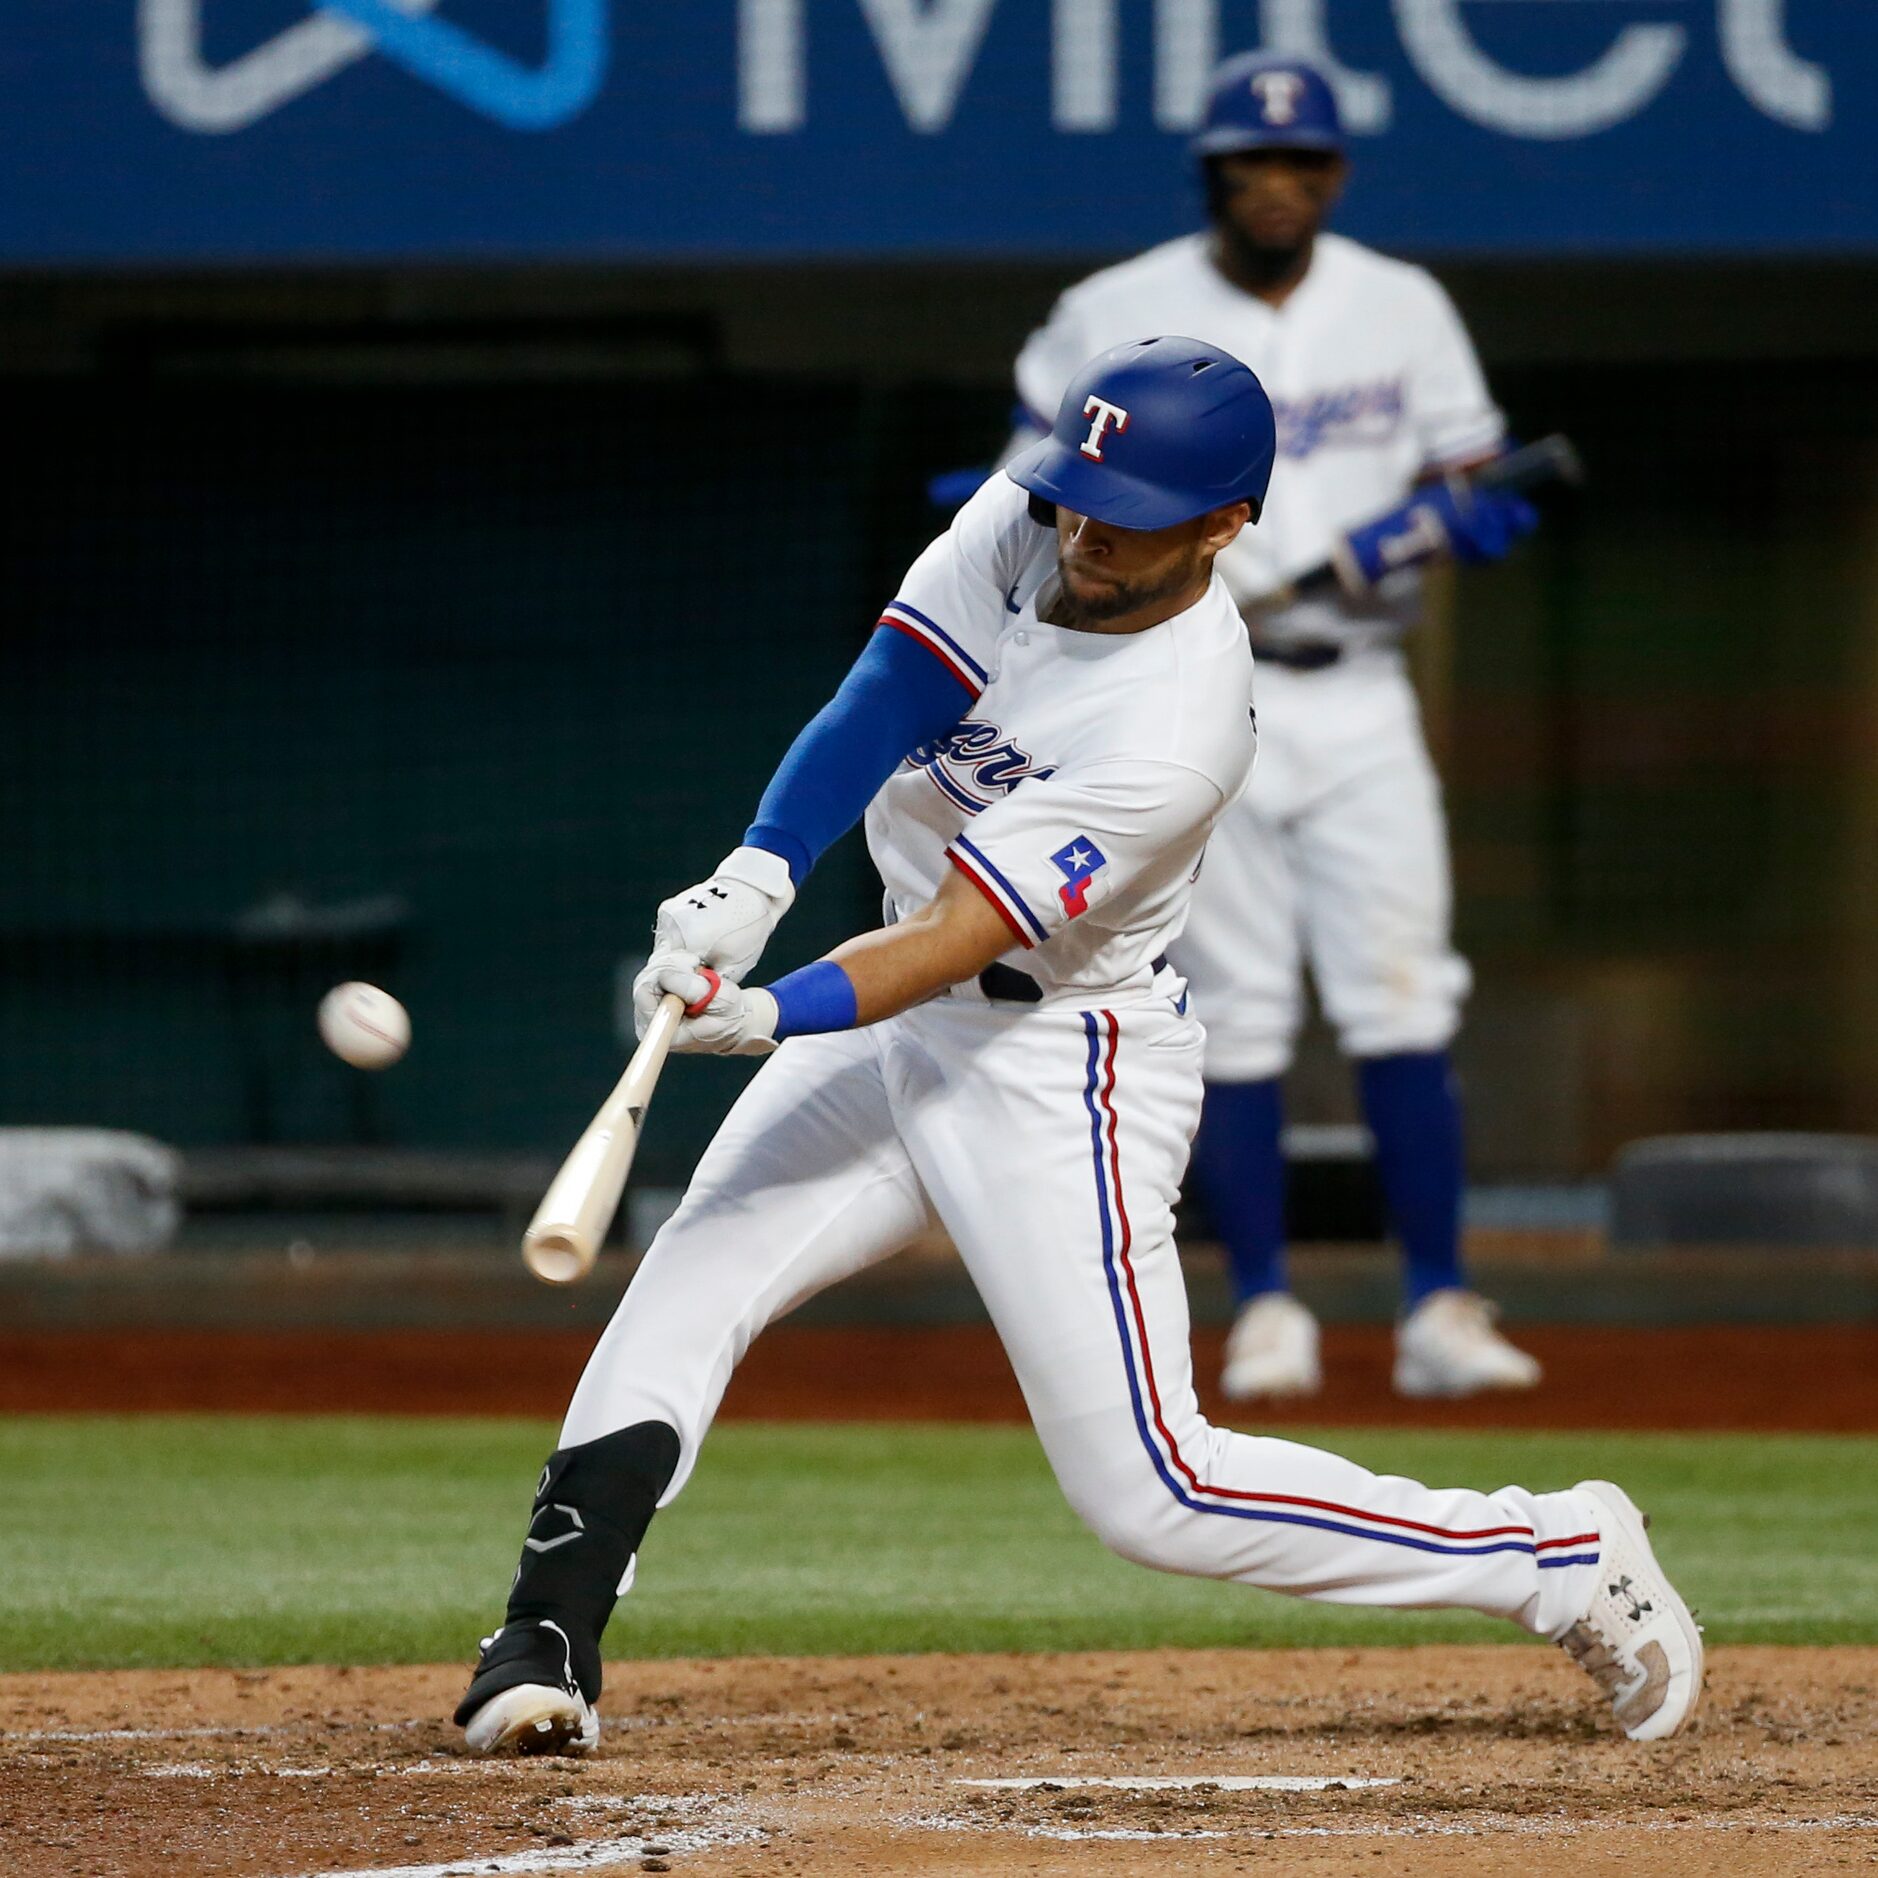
column 563, row 1238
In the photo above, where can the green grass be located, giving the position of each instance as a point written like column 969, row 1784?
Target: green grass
column 183, row 1540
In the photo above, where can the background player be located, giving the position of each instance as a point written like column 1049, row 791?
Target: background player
column 1043, row 734
column 1339, row 854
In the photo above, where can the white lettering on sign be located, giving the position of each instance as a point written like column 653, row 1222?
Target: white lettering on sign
column 772, row 53
column 1633, row 68
column 928, row 49
column 1104, row 414
column 1772, row 76
column 1083, row 64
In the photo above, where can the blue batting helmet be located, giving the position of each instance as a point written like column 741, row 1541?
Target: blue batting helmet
column 1266, row 101
column 1153, row 433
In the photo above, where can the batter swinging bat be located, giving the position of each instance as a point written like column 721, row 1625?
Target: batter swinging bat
column 1552, row 459
column 564, row 1237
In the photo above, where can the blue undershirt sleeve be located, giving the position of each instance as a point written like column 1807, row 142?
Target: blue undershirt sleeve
column 896, row 696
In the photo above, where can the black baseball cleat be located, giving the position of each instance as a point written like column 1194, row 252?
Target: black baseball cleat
column 525, row 1697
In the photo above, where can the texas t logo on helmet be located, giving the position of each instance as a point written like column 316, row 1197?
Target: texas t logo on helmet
column 1104, row 415
column 1200, row 437
column 1278, row 94
column 1268, row 101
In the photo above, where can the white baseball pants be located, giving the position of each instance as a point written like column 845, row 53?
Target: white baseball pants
column 1050, row 1144
column 1337, row 854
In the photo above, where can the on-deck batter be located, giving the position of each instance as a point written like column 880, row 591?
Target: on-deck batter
column 1340, row 853
column 1045, row 729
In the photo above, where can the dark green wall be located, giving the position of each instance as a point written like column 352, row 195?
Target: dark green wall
column 522, row 658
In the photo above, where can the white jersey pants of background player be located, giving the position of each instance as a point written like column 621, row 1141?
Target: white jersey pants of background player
column 1049, row 1143
column 1337, row 857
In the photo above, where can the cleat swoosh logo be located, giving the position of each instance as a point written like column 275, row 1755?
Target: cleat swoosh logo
column 1651, row 1693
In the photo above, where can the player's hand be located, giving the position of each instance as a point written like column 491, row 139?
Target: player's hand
column 721, row 1018
column 726, row 921
column 1473, row 525
column 1483, row 524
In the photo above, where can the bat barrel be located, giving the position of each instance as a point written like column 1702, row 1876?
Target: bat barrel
column 556, row 1256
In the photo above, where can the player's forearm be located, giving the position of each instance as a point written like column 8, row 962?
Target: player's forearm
column 897, row 967
column 879, row 974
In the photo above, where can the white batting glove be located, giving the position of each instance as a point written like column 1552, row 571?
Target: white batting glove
column 721, row 1018
column 726, row 921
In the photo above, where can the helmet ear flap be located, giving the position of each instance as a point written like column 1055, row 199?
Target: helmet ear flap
column 1042, row 513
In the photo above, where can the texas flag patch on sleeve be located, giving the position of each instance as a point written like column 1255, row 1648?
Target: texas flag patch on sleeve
column 1079, row 863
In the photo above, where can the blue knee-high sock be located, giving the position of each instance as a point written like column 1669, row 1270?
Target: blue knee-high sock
column 1413, row 1105
column 1239, row 1168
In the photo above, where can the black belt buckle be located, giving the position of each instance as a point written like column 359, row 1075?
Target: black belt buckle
column 1301, row 655
column 1005, row 984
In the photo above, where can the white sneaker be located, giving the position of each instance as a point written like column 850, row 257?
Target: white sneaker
column 1448, row 1346
column 1271, row 1350
column 1638, row 1641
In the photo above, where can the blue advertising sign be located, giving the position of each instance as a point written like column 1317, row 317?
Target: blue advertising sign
column 231, row 131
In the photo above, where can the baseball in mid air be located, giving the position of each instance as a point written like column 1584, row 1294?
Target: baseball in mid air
column 366, row 1027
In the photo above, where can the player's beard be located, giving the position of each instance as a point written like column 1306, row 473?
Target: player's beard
column 1080, row 612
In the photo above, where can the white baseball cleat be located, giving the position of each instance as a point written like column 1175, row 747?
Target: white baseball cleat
column 1271, row 1351
column 1638, row 1642
column 525, row 1697
column 1448, row 1346
column 533, row 1719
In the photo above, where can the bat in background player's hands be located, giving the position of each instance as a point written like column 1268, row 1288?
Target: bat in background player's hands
column 725, row 922
column 722, row 1018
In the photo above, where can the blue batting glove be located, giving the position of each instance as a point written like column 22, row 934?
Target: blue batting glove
column 1486, row 523
column 1475, row 526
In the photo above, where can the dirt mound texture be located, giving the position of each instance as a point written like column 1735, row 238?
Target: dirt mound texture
column 1476, row 1759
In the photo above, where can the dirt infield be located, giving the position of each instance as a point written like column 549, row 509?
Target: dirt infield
column 1494, row 1759
column 1754, row 1380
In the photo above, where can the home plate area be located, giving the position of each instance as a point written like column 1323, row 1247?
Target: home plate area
column 1431, row 1760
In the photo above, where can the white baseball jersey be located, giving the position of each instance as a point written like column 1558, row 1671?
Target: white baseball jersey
column 1078, row 791
column 1371, row 375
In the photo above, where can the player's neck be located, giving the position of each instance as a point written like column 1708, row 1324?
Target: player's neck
column 1269, row 274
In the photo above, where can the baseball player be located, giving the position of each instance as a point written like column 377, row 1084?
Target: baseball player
column 1045, row 728
column 1339, row 856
